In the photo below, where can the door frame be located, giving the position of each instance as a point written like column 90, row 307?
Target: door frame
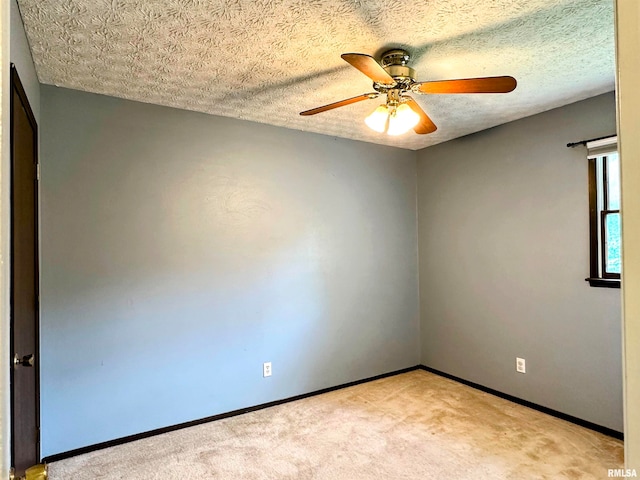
column 16, row 85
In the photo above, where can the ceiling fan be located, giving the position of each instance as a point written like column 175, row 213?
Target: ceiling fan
column 394, row 78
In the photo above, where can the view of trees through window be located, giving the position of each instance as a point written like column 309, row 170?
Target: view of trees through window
column 612, row 240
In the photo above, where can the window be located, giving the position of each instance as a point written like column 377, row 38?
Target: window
column 604, row 213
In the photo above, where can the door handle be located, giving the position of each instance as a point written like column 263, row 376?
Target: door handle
column 25, row 361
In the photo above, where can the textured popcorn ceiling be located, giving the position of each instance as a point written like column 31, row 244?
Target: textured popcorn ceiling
column 267, row 60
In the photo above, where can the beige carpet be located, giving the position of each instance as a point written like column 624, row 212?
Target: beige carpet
column 411, row 426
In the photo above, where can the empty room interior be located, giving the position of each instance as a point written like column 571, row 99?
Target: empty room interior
column 228, row 288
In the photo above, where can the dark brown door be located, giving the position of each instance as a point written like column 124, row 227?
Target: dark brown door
column 25, row 449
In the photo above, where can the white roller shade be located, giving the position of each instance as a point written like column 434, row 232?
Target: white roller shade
column 604, row 146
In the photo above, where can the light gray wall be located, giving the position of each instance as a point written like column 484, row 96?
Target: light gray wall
column 21, row 56
column 503, row 247
column 180, row 251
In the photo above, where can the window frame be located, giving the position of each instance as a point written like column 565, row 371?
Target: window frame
column 598, row 276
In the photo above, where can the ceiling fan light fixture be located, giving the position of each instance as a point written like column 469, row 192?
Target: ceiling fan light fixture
column 377, row 120
column 402, row 120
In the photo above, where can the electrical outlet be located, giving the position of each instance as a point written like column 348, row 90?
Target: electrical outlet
column 521, row 365
column 266, row 369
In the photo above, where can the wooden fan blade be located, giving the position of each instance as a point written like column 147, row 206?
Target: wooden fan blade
column 341, row 103
column 368, row 65
column 426, row 125
column 469, row 85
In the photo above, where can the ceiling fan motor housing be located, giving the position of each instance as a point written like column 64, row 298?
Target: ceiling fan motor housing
column 401, row 72
column 395, row 64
